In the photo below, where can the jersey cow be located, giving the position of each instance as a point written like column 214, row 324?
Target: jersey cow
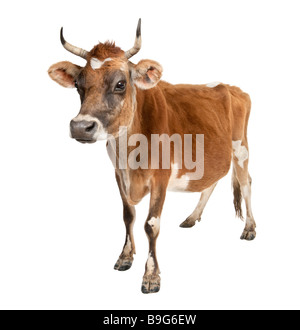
column 127, row 105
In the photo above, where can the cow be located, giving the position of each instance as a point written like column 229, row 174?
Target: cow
column 116, row 93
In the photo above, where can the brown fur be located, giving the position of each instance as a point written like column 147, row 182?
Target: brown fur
column 189, row 109
column 105, row 50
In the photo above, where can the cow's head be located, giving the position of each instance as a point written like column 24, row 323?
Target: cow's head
column 106, row 86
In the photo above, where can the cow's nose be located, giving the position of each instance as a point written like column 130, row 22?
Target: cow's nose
column 83, row 130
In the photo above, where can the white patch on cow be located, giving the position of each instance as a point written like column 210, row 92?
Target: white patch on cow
column 128, row 246
column 150, row 264
column 240, row 152
column 101, row 133
column 245, row 191
column 154, row 222
column 175, row 183
column 213, row 84
column 96, row 64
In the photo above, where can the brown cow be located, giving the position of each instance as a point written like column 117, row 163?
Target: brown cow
column 115, row 93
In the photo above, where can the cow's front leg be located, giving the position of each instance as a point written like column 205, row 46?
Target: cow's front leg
column 126, row 257
column 151, row 279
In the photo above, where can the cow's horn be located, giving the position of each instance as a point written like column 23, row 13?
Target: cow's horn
column 73, row 49
column 137, row 44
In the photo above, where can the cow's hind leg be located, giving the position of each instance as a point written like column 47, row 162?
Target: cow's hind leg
column 196, row 215
column 241, row 181
column 126, row 257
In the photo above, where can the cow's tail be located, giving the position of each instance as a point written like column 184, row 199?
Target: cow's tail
column 237, row 196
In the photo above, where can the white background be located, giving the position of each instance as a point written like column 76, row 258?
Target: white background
column 61, row 227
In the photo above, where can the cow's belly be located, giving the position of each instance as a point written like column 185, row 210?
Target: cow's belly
column 178, row 182
column 216, row 165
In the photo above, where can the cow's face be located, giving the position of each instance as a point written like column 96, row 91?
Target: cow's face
column 106, row 86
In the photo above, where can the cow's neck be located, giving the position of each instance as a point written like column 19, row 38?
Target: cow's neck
column 151, row 116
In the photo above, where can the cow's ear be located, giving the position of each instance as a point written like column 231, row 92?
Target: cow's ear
column 64, row 73
column 146, row 74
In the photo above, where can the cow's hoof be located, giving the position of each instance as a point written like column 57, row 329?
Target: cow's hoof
column 188, row 223
column 248, row 235
column 123, row 264
column 151, row 284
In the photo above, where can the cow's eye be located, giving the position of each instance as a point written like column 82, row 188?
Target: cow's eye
column 75, row 84
column 120, row 86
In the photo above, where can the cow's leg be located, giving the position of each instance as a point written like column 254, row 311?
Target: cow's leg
column 242, row 186
column 151, row 279
column 196, row 215
column 126, row 257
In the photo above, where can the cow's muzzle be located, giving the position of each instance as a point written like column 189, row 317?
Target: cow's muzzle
column 83, row 131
